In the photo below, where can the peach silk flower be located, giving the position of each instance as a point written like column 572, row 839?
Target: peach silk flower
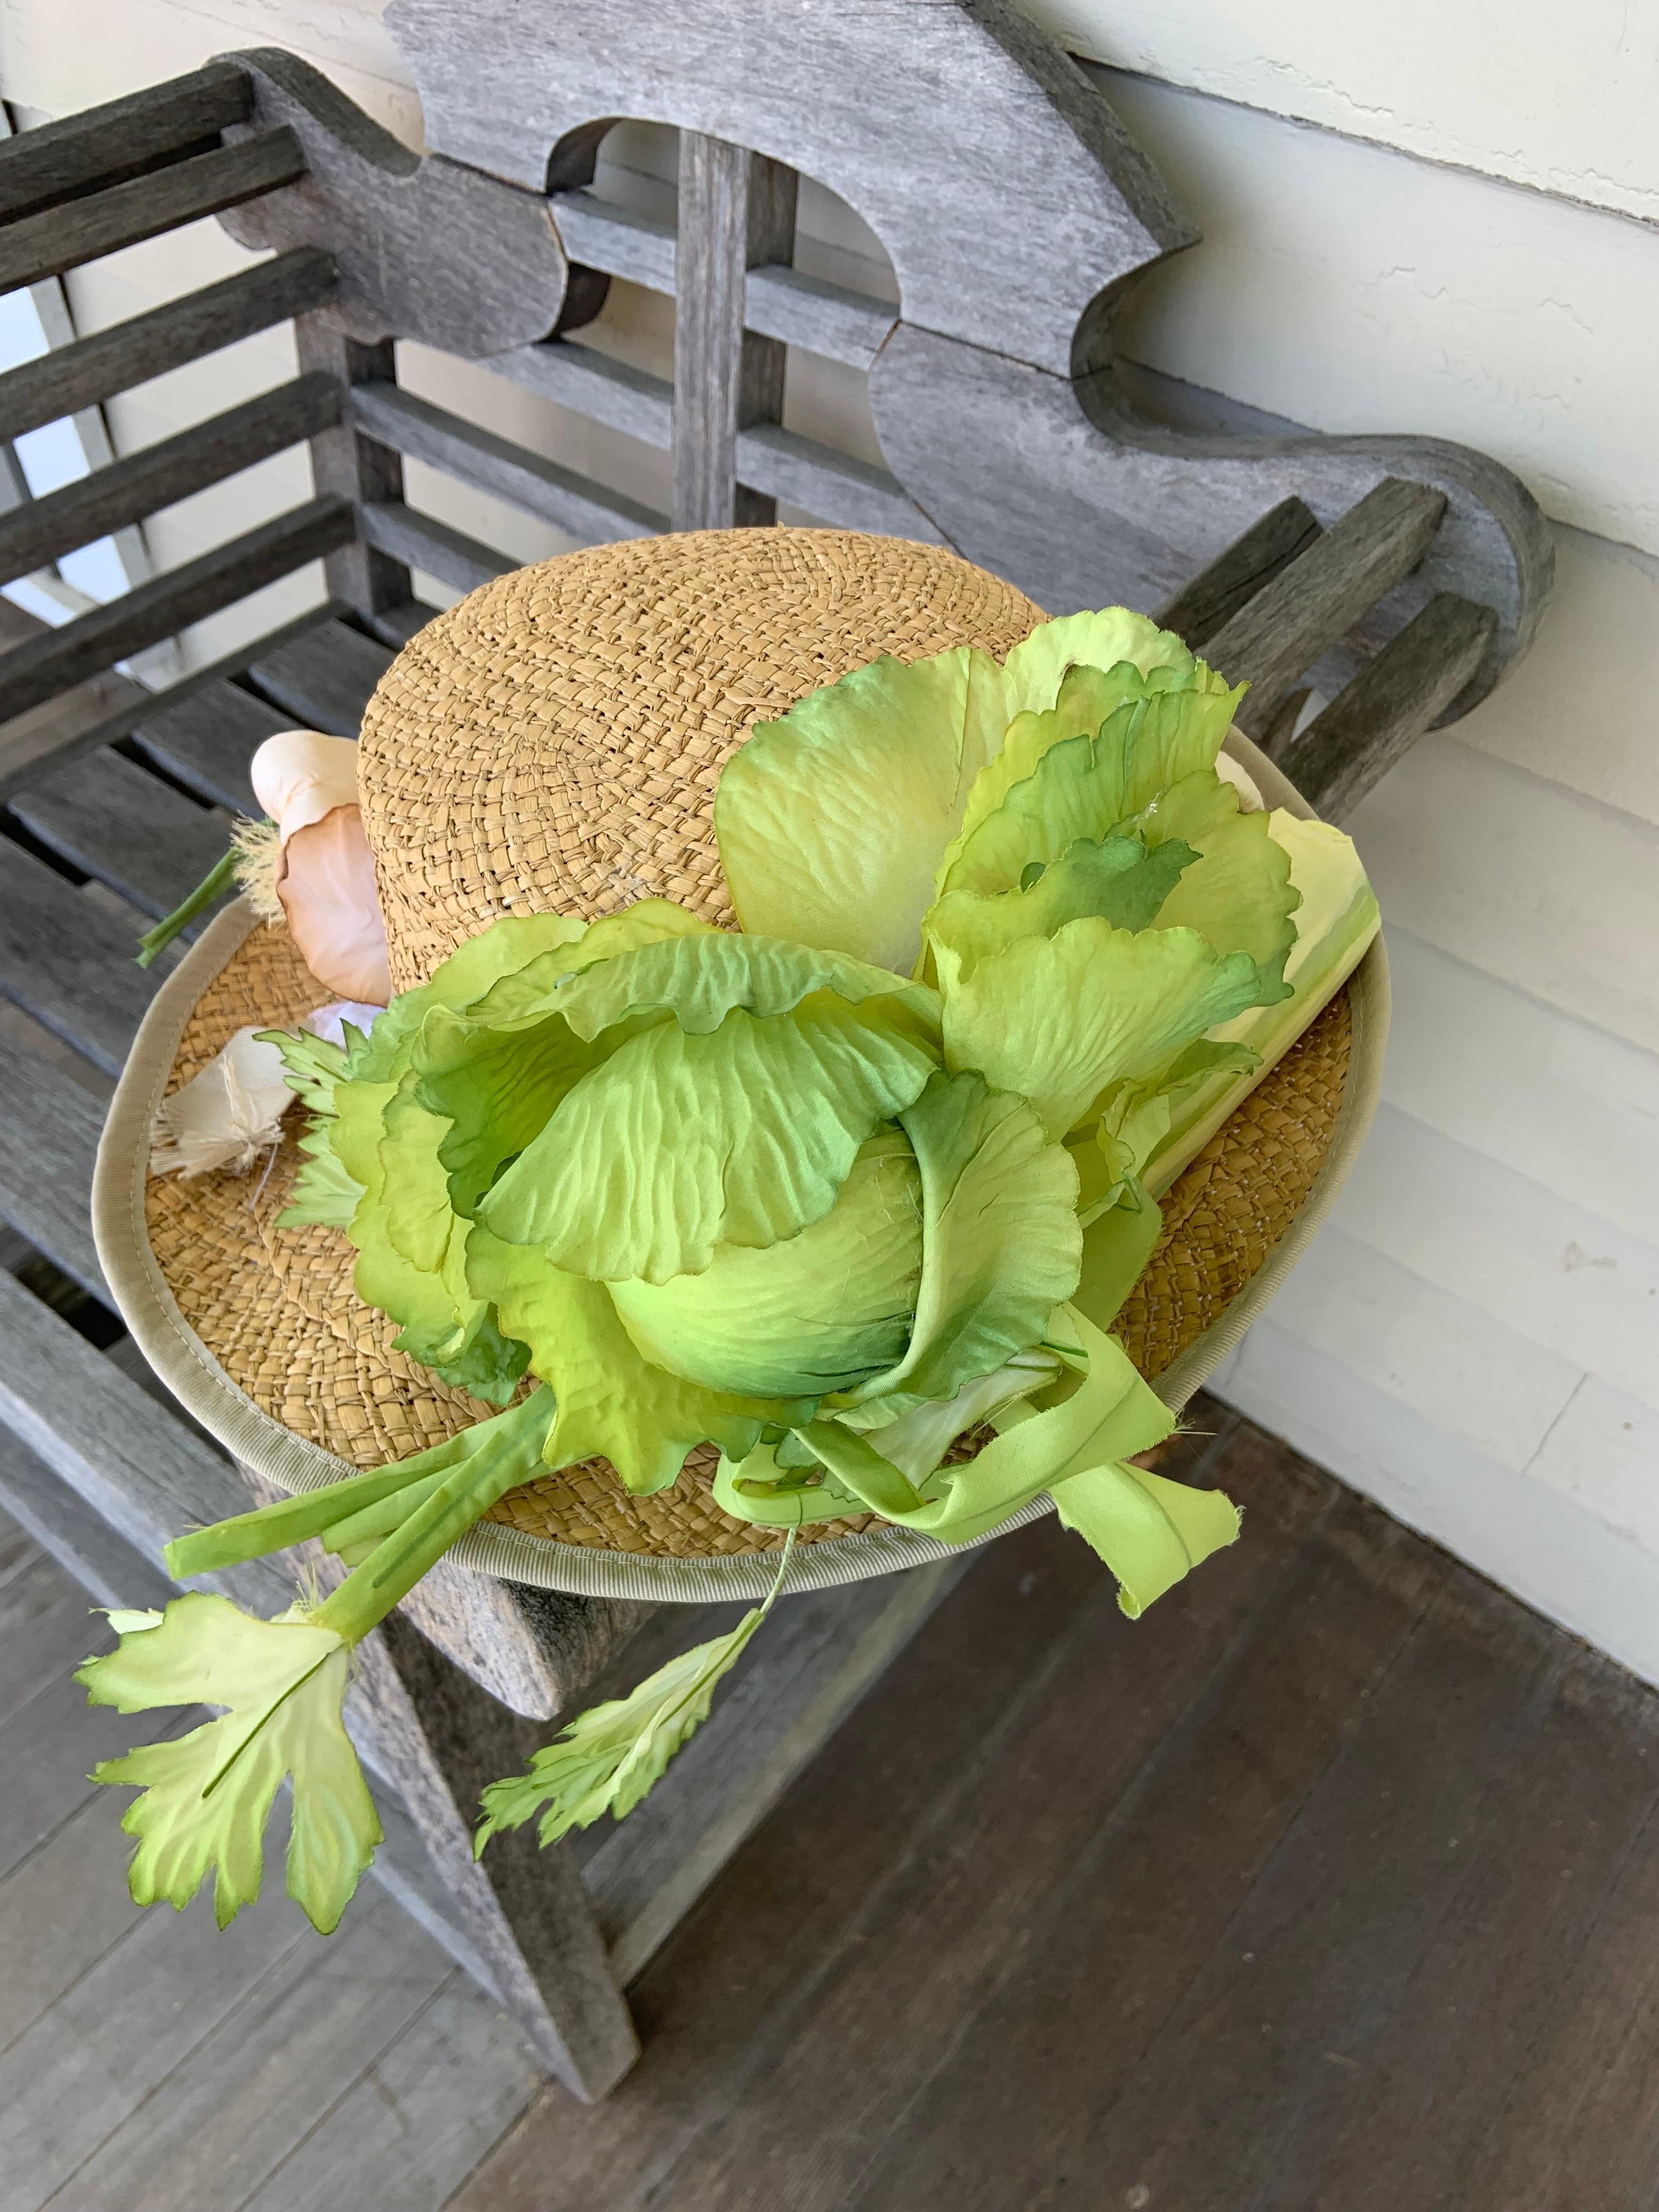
column 325, row 878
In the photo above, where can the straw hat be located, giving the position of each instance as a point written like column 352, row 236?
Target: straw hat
column 553, row 743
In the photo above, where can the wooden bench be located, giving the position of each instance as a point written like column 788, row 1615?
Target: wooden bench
column 1400, row 576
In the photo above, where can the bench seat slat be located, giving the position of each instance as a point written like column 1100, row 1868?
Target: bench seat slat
column 69, row 961
column 114, row 820
column 322, row 680
column 49, row 1131
column 207, row 741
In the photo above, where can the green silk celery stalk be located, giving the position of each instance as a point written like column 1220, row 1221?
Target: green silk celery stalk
column 206, row 1796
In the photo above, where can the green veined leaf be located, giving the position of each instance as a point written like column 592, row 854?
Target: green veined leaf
column 832, row 819
column 612, row 1403
column 471, row 970
column 1000, row 1241
column 206, row 1796
column 1238, row 893
column 678, row 1144
column 535, row 987
column 699, row 980
column 1060, row 1019
column 610, row 1756
column 1116, row 878
column 821, row 1311
column 1034, row 670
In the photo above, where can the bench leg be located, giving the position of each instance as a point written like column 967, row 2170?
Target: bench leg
column 438, row 1738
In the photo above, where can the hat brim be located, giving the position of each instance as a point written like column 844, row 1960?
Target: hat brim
column 260, row 1336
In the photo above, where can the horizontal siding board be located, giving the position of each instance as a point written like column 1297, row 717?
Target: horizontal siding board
column 1603, row 1453
column 1524, row 1533
column 1577, row 1286
column 1520, row 878
column 1447, row 1359
column 1564, row 1105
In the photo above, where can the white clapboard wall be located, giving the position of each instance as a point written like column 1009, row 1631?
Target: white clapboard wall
column 1466, row 250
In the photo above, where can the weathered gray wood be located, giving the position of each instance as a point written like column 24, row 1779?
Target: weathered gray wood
column 610, row 391
column 993, row 171
column 104, row 144
column 1371, row 724
column 126, row 491
column 146, row 1475
column 207, row 741
column 79, row 1541
column 94, row 368
column 813, row 1662
column 75, row 231
column 29, row 742
column 736, row 210
column 68, row 961
column 30, row 673
column 1198, row 608
column 819, row 317
column 615, row 239
column 835, row 487
column 112, row 819
column 586, row 510
column 347, row 466
column 49, row 1132
column 1081, row 499
column 426, row 249
column 780, row 302
column 1318, row 597
column 323, row 679
column 442, row 1739
column 421, row 541
column 395, row 626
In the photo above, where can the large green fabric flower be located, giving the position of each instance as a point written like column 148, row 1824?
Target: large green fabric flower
column 869, row 1177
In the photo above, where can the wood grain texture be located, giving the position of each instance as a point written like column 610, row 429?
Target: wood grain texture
column 426, row 249
column 322, row 677
column 1318, row 597
column 421, row 541
column 1334, row 1887
column 80, row 230
column 112, row 820
column 69, row 962
column 29, row 744
column 207, row 740
column 1373, row 723
column 49, row 1132
column 144, row 616
column 586, row 511
column 834, row 486
column 735, row 209
column 346, row 465
column 1081, row 499
column 1200, row 608
column 611, row 392
column 95, row 368
column 57, row 160
column 127, row 491
column 1007, row 195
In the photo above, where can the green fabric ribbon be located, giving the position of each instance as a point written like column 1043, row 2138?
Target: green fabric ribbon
column 1149, row 1531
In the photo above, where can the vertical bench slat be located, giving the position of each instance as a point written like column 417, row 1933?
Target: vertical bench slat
column 351, row 465
column 736, row 209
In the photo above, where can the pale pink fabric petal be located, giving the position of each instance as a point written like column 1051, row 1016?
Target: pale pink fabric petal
column 301, row 775
column 326, row 886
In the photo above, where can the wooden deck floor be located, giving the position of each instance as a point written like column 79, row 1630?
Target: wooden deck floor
column 1335, row 1882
